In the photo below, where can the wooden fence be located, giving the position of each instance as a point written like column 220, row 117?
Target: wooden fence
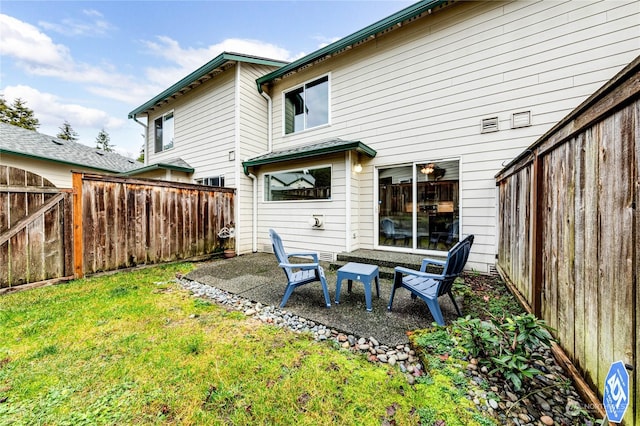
column 569, row 233
column 35, row 229
column 121, row 222
column 104, row 223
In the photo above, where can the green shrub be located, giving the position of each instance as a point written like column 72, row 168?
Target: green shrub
column 508, row 347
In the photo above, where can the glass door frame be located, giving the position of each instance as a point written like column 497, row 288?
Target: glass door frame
column 414, row 240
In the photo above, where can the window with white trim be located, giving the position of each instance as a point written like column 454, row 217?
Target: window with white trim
column 163, row 132
column 211, row 181
column 307, row 106
column 293, row 185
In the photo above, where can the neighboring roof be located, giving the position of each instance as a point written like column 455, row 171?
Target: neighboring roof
column 28, row 143
column 289, row 178
column 175, row 164
column 202, row 74
column 346, row 43
column 330, row 146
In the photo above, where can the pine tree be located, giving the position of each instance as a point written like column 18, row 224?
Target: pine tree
column 103, row 141
column 5, row 114
column 18, row 114
column 67, row 133
column 141, row 156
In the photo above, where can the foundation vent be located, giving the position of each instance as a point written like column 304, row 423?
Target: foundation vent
column 326, row 256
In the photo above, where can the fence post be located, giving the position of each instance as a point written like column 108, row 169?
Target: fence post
column 537, row 207
column 78, row 258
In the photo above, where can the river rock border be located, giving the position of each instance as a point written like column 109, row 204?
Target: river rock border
column 401, row 355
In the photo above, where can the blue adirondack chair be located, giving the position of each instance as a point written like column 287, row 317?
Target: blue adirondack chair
column 298, row 273
column 430, row 286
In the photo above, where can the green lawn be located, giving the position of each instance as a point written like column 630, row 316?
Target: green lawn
column 134, row 348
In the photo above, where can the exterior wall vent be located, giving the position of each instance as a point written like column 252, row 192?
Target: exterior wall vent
column 521, row 119
column 489, row 125
column 326, row 256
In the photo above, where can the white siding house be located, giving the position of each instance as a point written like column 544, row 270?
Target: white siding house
column 403, row 124
column 209, row 121
column 444, row 93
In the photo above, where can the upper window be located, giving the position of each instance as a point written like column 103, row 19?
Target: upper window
column 163, row 127
column 305, row 184
column 307, row 106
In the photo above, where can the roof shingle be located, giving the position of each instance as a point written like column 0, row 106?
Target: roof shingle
column 29, row 143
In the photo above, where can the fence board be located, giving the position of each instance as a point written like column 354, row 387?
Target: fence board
column 579, row 250
column 635, row 374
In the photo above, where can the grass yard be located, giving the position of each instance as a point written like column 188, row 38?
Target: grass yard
column 134, row 348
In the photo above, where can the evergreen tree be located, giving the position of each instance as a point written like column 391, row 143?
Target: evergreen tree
column 67, row 133
column 18, row 114
column 141, row 156
column 103, row 141
column 5, row 115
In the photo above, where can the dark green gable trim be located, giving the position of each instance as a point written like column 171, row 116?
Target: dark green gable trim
column 156, row 166
column 207, row 68
column 327, row 147
column 357, row 37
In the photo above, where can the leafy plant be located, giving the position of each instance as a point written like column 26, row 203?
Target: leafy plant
column 508, row 347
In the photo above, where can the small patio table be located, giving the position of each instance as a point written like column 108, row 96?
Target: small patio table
column 361, row 272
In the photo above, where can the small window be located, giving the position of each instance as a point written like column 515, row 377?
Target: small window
column 305, row 184
column 211, row 181
column 163, row 127
column 307, row 106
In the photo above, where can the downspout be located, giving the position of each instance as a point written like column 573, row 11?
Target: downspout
column 269, row 124
column 146, row 138
column 237, row 151
column 254, row 218
column 254, row 236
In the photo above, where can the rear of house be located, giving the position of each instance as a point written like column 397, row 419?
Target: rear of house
column 404, row 124
column 206, row 123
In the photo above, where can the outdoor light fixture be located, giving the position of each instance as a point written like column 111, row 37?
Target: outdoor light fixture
column 357, row 168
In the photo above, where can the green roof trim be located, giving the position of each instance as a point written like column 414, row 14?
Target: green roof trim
column 348, row 41
column 210, row 66
column 331, row 146
column 156, row 166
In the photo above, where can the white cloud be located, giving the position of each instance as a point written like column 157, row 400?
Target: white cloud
column 325, row 41
column 95, row 27
column 50, row 110
column 92, row 12
column 187, row 60
column 37, row 54
column 30, row 46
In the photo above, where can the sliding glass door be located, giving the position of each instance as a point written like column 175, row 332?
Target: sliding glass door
column 418, row 205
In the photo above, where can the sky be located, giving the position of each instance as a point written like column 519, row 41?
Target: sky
column 92, row 62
